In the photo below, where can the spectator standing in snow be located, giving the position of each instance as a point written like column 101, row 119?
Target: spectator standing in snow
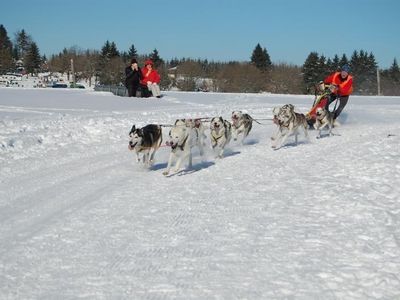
column 133, row 77
column 341, row 88
column 151, row 78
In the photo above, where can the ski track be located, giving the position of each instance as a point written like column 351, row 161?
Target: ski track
column 317, row 220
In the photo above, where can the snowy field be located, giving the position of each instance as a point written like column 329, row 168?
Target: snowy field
column 80, row 219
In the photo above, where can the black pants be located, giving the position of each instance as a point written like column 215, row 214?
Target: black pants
column 132, row 89
column 144, row 91
column 342, row 103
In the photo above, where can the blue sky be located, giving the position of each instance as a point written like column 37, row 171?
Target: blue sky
column 220, row 30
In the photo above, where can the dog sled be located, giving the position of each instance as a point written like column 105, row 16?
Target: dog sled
column 321, row 99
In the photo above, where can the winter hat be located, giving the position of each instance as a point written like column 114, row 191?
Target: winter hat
column 148, row 62
column 346, row 68
column 133, row 61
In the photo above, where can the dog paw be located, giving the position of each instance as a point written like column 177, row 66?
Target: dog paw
column 165, row 173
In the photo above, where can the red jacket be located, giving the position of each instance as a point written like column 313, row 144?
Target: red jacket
column 345, row 86
column 153, row 76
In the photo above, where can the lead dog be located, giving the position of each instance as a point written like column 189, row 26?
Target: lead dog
column 183, row 136
column 289, row 122
column 241, row 125
column 220, row 134
column 145, row 141
column 323, row 119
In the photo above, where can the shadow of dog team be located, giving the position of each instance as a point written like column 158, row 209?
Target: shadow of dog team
column 142, row 82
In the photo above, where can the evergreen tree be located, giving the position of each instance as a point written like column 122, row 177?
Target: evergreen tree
column 155, row 57
column 390, row 80
column 113, row 50
column 372, row 65
column 109, row 50
column 260, row 58
column 23, row 43
column 336, row 63
column 6, row 62
column 267, row 59
column 32, row 59
column 5, row 42
column 110, row 65
column 364, row 69
column 355, row 62
column 257, row 57
column 106, row 49
column 329, row 65
column 394, row 71
column 343, row 61
column 312, row 70
column 323, row 68
column 132, row 52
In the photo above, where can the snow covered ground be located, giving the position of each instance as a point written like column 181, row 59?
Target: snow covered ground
column 80, row 219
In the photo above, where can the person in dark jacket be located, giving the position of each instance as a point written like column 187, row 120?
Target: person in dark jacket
column 133, row 77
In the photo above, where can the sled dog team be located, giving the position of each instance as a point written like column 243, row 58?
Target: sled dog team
column 187, row 134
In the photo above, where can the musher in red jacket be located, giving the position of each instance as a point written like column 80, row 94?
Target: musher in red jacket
column 341, row 88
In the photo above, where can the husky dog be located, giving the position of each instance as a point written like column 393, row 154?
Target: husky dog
column 221, row 133
column 146, row 141
column 241, row 125
column 182, row 138
column 289, row 122
column 323, row 118
column 194, row 123
column 276, row 111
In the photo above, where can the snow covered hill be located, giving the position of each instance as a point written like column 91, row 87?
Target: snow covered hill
column 79, row 218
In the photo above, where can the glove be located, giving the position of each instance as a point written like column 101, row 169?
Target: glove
column 333, row 88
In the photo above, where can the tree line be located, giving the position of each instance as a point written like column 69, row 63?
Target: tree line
column 259, row 74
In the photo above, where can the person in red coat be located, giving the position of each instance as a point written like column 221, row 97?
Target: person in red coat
column 151, row 78
column 341, row 88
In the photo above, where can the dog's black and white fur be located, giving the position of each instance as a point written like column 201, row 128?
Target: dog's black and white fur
column 289, row 122
column 220, row 134
column 183, row 136
column 241, row 125
column 323, row 119
column 145, row 141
